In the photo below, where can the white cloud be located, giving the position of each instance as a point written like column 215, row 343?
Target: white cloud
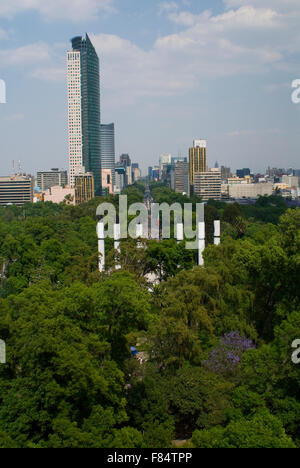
column 38, row 60
column 278, row 5
column 246, row 16
column 129, row 70
column 167, row 7
column 245, row 39
column 249, row 17
column 52, row 73
column 26, row 55
column 186, row 18
column 74, row 10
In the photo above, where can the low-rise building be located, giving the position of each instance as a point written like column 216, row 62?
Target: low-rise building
column 60, row 194
column 250, row 190
column 16, row 190
column 107, row 181
column 295, row 193
column 235, row 180
column 290, row 181
column 48, row 179
column 281, row 186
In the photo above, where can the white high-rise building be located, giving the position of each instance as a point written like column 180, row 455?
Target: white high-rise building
column 164, row 159
column 74, row 115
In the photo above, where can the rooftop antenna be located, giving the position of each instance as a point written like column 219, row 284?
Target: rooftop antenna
column 13, row 166
column 20, row 167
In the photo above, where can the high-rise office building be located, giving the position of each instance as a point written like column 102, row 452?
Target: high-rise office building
column 165, row 160
column 208, row 185
column 84, row 188
column 178, row 159
column 129, row 175
column 125, row 160
column 155, row 173
column 136, row 172
column 108, row 155
column 16, row 190
column 197, row 159
column 180, row 177
column 84, row 110
column 225, row 173
column 48, row 179
column 120, row 179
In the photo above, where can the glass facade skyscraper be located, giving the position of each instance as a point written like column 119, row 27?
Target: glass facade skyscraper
column 108, row 155
column 84, row 110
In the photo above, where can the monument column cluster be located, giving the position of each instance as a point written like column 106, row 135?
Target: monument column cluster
column 179, row 234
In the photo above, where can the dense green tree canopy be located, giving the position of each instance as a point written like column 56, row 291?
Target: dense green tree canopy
column 214, row 344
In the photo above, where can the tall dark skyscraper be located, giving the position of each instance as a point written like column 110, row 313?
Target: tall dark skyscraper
column 84, row 110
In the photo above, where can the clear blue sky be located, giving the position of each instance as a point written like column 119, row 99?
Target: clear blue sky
column 171, row 71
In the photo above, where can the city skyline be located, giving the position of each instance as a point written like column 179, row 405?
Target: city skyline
column 241, row 97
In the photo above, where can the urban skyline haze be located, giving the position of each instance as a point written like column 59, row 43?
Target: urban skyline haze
column 170, row 72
